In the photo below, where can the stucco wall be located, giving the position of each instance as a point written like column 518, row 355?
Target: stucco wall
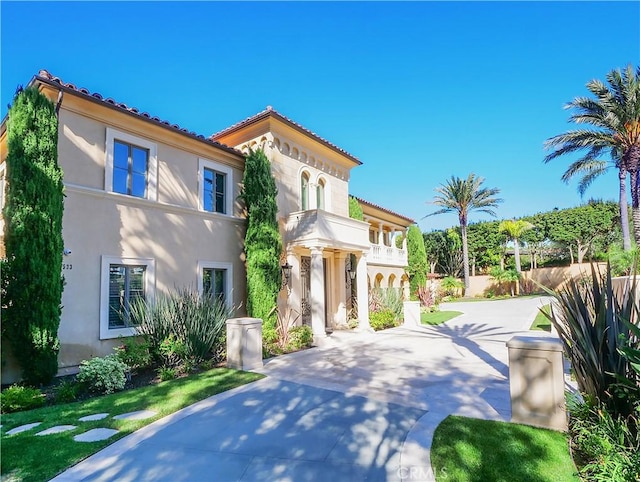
column 171, row 231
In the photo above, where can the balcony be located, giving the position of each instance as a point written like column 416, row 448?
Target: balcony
column 318, row 228
column 387, row 256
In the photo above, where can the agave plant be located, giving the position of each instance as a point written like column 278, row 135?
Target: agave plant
column 597, row 326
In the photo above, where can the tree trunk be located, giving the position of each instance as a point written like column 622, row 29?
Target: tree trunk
column 516, row 252
column 635, row 205
column 465, row 256
column 582, row 250
column 432, row 266
column 624, row 210
column 571, row 253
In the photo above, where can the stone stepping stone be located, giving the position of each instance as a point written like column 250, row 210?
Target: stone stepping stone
column 140, row 415
column 95, row 435
column 57, row 429
column 23, row 428
column 91, row 418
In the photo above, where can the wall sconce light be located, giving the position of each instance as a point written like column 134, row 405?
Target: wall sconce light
column 286, row 275
column 352, row 273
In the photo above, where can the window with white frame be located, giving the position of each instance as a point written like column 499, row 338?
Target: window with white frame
column 215, row 279
column 131, row 165
column 124, row 281
column 216, row 183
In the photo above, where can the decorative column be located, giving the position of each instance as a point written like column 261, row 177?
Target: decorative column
column 363, row 292
column 317, row 294
column 404, row 239
column 380, row 235
column 340, row 317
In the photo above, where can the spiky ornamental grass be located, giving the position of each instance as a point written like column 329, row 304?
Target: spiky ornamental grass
column 32, row 279
column 595, row 323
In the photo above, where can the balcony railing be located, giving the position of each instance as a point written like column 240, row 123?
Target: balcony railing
column 387, row 255
column 322, row 228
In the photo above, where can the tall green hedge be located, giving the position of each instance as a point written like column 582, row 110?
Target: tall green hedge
column 32, row 279
column 263, row 244
column 417, row 259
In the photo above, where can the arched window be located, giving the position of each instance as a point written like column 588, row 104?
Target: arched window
column 320, row 194
column 304, row 191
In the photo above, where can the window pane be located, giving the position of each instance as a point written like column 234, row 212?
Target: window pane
column 219, row 282
column 207, row 193
column 206, row 281
column 120, row 155
column 140, row 157
column 320, row 196
column 305, row 193
column 220, row 181
column 138, row 185
column 120, row 180
column 116, row 296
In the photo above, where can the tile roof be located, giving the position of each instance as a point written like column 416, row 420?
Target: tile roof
column 48, row 78
column 271, row 112
column 388, row 211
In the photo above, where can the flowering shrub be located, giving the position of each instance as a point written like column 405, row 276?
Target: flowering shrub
column 103, row 375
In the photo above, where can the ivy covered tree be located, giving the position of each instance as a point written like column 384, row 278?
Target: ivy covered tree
column 263, row 243
column 32, row 272
column 416, row 259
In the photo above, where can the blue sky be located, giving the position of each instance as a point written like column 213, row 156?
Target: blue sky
column 418, row 91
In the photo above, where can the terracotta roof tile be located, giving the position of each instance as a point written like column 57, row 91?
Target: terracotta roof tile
column 270, row 111
column 388, row 211
column 45, row 76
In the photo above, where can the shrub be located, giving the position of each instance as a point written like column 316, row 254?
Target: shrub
column 300, row 337
column 593, row 324
column 355, row 210
column 182, row 324
column 134, row 352
column 66, row 391
column 606, row 446
column 17, row 398
column 382, row 320
column 621, row 261
column 103, row 375
column 417, row 265
column 32, row 279
column 451, row 286
column 167, row 373
column 285, row 321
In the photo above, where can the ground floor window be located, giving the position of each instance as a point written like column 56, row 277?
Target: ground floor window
column 124, row 280
column 216, row 279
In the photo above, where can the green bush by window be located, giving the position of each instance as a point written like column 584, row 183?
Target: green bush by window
column 103, row 375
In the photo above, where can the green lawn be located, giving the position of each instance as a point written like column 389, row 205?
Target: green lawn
column 26, row 457
column 542, row 322
column 472, row 450
column 438, row 317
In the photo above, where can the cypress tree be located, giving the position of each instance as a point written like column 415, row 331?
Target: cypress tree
column 263, row 244
column 32, row 272
column 417, row 259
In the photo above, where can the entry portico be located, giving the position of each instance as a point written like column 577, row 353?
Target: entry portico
column 312, row 177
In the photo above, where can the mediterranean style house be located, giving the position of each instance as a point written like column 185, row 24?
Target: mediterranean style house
column 150, row 206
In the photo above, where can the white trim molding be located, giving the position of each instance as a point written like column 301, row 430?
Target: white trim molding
column 228, row 280
column 149, row 292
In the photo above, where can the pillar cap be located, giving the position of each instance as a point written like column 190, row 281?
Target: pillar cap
column 529, row 342
column 244, row 321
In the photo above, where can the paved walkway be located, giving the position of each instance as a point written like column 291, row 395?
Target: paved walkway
column 362, row 407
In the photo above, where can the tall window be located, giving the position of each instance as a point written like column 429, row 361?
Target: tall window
column 126, row 285
column 130, row 165
column 214, row 283
column 214, row 191
column 304, row 191
column 216, row 183
column 320, row 194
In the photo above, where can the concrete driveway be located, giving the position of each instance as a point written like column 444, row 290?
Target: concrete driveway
column 362, row 407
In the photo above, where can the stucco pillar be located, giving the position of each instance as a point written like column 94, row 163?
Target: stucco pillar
column 404, row 239
column 340, row 317
column 392, row 238
column 317, row 294
column 380, row 234
column 363, row 292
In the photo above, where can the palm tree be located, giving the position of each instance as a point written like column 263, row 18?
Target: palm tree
column 514, row 229
column 615, row 117
column 461, row 196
